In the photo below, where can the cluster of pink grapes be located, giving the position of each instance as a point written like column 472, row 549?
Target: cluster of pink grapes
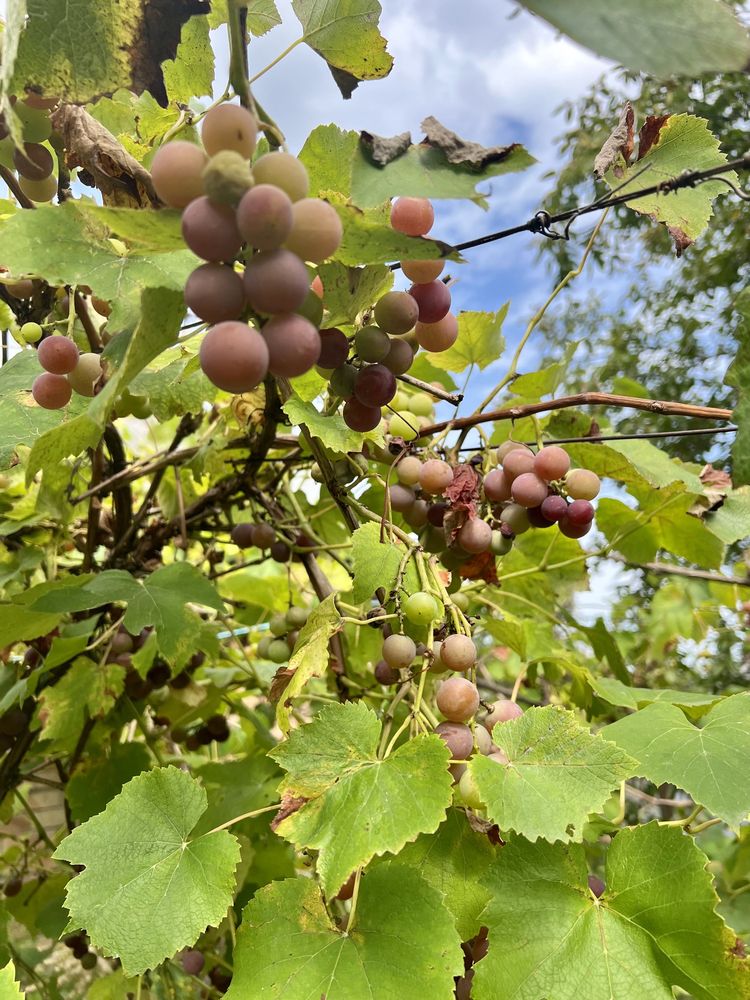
column 262, row 217
column 65, row 371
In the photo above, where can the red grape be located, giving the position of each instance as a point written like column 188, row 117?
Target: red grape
column 458, row 699
column 517, row 462
column 293, row 344
column 58, row 355
column 193, row 962
column 264, row 536
column 433, row 299
column 177, row 173
column 396, row 312
column 580, row 512
column 537, row 519
column 215, row 293
column 571, row 530
column 554, row 507
column 229, row 126
column 458, row 652
column 334, row 348
column 551, row 463
column 51, row 391
column 457, row 737
column 437, row 337
column 436, row 514
column 412, row 216
column 496, row 486
column 234, row 357
column 375, row 385
column 210, row 230
column 528, row 489
column 35, row 162
column 276, row 282
column 360, row 417
column 502, row 711
column 243, row 535
column 475, row 536
column 264, row 217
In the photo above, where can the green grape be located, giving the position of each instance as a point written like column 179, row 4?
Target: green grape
column 401, row 401
column 404, row 425
column 421, row 608
column 36, row 123
column 278, row 625
column 278, row 651
column 468, row 791
column 421, row 404
column 461, row 601
column 296, row 617
column 31, row 332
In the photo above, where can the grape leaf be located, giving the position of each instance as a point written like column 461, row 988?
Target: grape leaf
column 695, row 703
column 357, row 804
column 349, row 290
column 731, row 522
column 654, row 927
column 369, row 238
column 633, row 462
column 191, row 72
column 9, row 988
column 330, row 428
column 288, row 948
column 100, row 778
column 18, row 623
column 345, row 33
column 671, row 38
column 40, row 906
column 455, row 861
column 148, row 888
column 375, row 562
column 235, row 787
column 558, row 773
column 480, row 341
column 702, row 761
column 310, row 656
column 88, row 689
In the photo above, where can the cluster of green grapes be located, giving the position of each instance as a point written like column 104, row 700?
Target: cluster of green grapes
column 35, row 163
column 261, row 217
column 283, row 630
column 525, row 490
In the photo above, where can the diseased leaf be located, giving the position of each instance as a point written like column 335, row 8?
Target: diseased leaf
column 655, row 927
column 702, row 761
column 289, row 949
column 619, row 144
column 310, row 656
column 731, row 522
column 353, row 805
column 149, row 887
column 191, row 72
column 558, row 773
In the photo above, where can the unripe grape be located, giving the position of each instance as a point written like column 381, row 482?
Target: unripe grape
column 553, row 508
column 435, row 476
column 469, row 792
column 86, row 374
column 496, row 486
column 41, row 191
column 412, row 216
column 372, row 344
column 571, row 530
column 243, row 535
column 475, row 536
column 408, row 470
column 234, row 357
column 334, row 348
column 501, row 544
column 227, row 178
column 31, row 333
column 508, row 446
column 264, row 217
column 215, row 293
column 515, row 516
column 37, row 125
column 293, row 344
column 297, row 617
column 278, row 651
column 399, row 651
column 502, row 711
column 210, row 230
column 422, row 271
column 433, row 299
column 264, row 535
column 342, row 381
column 399, row 357
column 483, row 740
column 52, row 392
column 528, row 489
column 229, row 126
column 457, row 737
column 551, row 463
column 401, row 497
column 278, row 625
column 262, row 648
column 375, row 385
column 460, row 599
column 421, row 608
column 316, row 231
column 404, row 425
column 582, row 484
column 416, row 515
column 580, row 512
column 359, row 417
column 396, row 312
column 438, row 337
column 34, row 162
column 458, row 699
column 458, row 652
column 88, row 961
column 276, row 282
column 421, row 404
column 517, row 462
column 58, row 355
column 386, row 675
column 177, row 173
column 283, row 171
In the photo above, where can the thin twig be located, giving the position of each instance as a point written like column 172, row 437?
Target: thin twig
column 84, row 316
column 449, row 397
column 674, row 570
column 646, row 435
column 10, row 179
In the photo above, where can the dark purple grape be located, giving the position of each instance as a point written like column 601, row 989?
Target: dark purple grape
column 385, row 675
column 360, row 417
column 375, row 385
column 596, row 885
column 553, row 508
column 13, row 886
column 571, row 530
column 280, row 552
column 537, row 519
column 334, row 348
column 433, row 299
column 436, row 514
column 243, row 535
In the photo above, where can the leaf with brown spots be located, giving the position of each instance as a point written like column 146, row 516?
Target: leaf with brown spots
column 649, row 133
column 618, row 145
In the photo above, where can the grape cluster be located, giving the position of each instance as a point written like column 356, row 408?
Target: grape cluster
column 79, row 945
column 262, row 217
column 34, row 163
column 283, row 630
column 65, row 370
column 262, row 536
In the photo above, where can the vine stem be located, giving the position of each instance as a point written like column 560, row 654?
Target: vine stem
column 248, row 815
column 704, row 826
column 282, row 55
column 41, row 832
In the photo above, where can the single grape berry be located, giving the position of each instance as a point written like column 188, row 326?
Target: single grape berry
column 553, row 508
column 475, row 536
column 421, row 608
column 372, row 344
column 551, row 463
column 416, row 515
column 13, row 886
column 31, row 333
column 422, row 271
column 571, row 530
column 278, row 651
column 280, row 552
column 528, row 489
column 234, row 357
column 582, row 484
column 433, row 299
column 400, row 356
column 316, row 230
column 214, row 292
column 264, row 535
column 401, row 498
column 385, row 674
column 57, row 354
column 496, row 486
column 342, row 382
column 412, row 216
column 580, row 512
column 437, row 337
column 458, row 699
column 502, row 711
column 469, row 792
column 360, row 417
column 458, row 653
column 210, row 230
column 498, row 756
column 52, row 392
column 44, row 190
column 537, row 519
column 276, row 282
column 283, row 171
column 516, row 517
column 506, row 447
column 34, row 162
column 436, row 514
column 334, row 348
column 596, row 885
column 421, row 404
column 483, row 740
column 177, row 173
column 375, row 385
column 227, row 178
column 193, row 961
column 86, row 374
column 435, row 476
column 408, row 470
column 404, row 425
column 518, row 462
column 229, row 126
column 457, row 737
column 396, row 313
column 293, row 344
column 264, row 216
column 399, row 651
column 243, row 535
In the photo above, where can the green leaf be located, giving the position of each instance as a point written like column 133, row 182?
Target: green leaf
column 330, row 429
column 558, row 773
column 18, row 623
column 345, row 33
column 369, row 238
column 310, row 656
column 350, row 290
column 158, row 231
column 40, row 906
column 87, row 690
column 288, row 948
column 671, row 38
column 702, row 761
column 191, row 73
column 684, row 142
column 654, row 927
column 633, row 462
column 695, row 703
column 149, row 888
column 358, row 805
column 455, row 861
column 375, row 562
column 235, row 787
column 480, row 341
column 174, row 389
column 731, row 522
column 9, row 988
column 100, row 778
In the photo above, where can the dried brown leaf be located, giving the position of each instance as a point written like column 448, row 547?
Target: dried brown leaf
column 649, row 133
column 289, row 804
column 279, row 684
column 384, row 151
column 681, row 239
column 481, row 567
column 619, row 143
column 460, row 152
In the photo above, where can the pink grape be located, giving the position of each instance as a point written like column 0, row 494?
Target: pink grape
column 435, row 476
column 517, row 462
column 264, row 217
column 437, row 337
column 422, row 271
column 276, row 282
column 234, row 357
column 334, row 348
column 499, row 757
column 210, row 230
column 360, row 417
column 52, row 392
column 483, row 740
column 293, row 344
column 457, row 737
column 551, row 463
column 57, row 355
column 433, row 299
column 316, row 230
column 229, row 126
column 401, row 497
column 502, row 711
column 399, row 651
column 528, row 489
column 375, row 385
column 508, row 446
column 412, row 216
column 177, row 173
column 553, row 508
column 458, row 652
column 458, row 699
column 496, row 486
column 582, row 484
column 396, row 312
column 475, row 536
column 580, row 512
column 214, row 292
